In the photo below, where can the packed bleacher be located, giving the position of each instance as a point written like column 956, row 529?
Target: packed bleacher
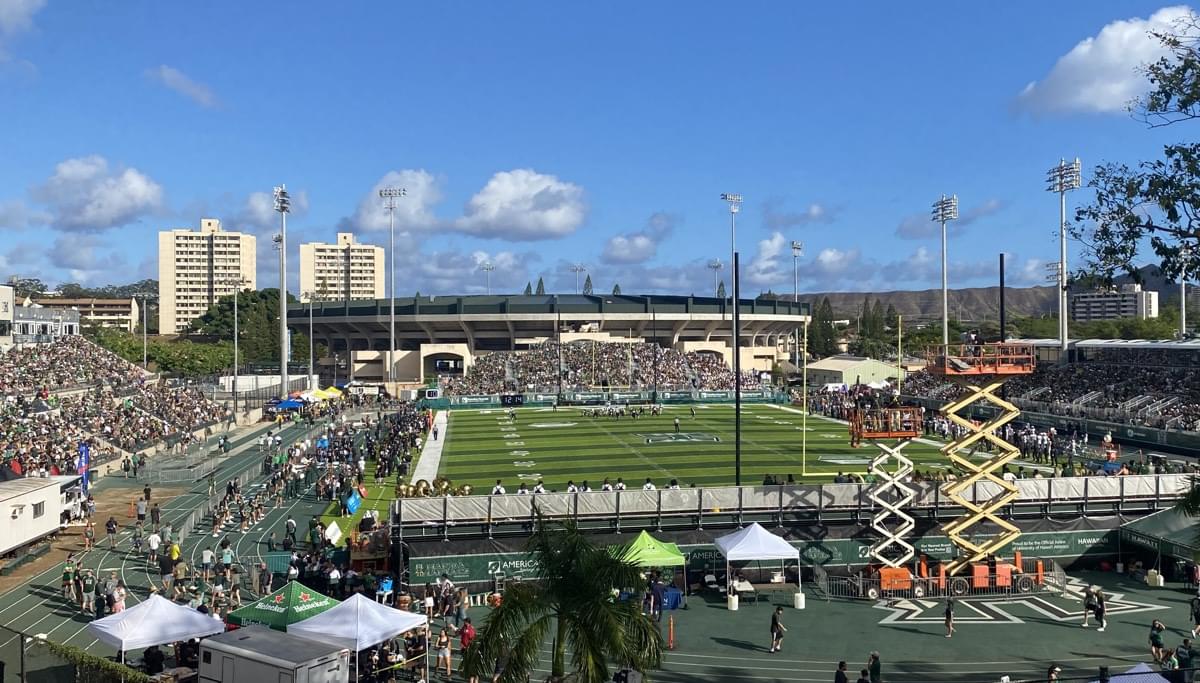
column 591, row 365
column 1153, row 388
column 55, row 396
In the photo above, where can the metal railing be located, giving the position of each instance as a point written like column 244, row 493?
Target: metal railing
column 462, row 515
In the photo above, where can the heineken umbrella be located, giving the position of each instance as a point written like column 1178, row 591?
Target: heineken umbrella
column 286, row 606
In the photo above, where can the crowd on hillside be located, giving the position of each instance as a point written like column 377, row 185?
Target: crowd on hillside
column 1102, row 388
column 595, row 365
column 105, row 402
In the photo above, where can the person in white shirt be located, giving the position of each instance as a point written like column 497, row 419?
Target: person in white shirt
column 539, row 487
column 153, row 541
column 523, row 490
column 572, row 488
column 674, row 485
column 620, row 484
column 649, row 485
column 1009, row 476
column 498, row 489
column 584, row 488
column 606, row 486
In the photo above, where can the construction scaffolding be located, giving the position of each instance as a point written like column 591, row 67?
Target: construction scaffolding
column 965, row 364
column 890, row 469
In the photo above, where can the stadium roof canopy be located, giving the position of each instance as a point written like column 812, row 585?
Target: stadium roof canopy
column 500, row 321
column 1119, row 344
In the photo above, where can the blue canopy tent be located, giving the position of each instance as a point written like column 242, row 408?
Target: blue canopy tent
column 290, row 404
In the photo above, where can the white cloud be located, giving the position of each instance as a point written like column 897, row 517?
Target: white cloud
column 524, row 205
column 85, row 260
column 919, row 226
column 14, row 215
column 174, row 79
column 258, row 211
column 1101, row 74
column 775, row 219
column 414, row 211
column 16, row 16
column 641, row 246
column 85, row 195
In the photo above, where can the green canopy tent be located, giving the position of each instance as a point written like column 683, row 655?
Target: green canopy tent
column 292, row 603
column 648, row 551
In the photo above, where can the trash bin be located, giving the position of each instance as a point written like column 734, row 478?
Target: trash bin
column 798, row 600
column 732, row 602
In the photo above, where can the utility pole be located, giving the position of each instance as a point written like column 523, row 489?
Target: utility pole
column 715, row 266
column 797, row 252
column 487, row 267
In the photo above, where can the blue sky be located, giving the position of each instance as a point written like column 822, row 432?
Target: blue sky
column 538, row 134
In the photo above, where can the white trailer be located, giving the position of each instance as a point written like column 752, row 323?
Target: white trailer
column 32, row 508
column 257, row 654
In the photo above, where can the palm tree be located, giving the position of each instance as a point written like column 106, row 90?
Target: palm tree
column 573, row 598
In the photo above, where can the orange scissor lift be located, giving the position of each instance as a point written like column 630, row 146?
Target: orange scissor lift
column 891, row 468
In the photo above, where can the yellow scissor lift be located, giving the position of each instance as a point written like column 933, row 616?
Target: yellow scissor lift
column 891, row 468
column 989, row 365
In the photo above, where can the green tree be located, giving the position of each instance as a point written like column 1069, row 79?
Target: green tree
column 26, row 286
column 528, row 289
column 878, row 320
column 258, row 326
column 1154, row 203
column 721, row 290
column 573, row 600
column 587, row 284
column 541, row 287
column 617, row 289
column 891, row 317
column 823, row 336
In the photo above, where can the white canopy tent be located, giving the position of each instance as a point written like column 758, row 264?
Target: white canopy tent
column 156, row 621
column 358, row 623
column 756, row 543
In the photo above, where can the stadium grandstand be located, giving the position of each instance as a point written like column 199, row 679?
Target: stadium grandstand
column 489, row 344
column 1133, row 382
column 59, row 394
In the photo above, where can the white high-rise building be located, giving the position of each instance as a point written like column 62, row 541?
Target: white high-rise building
column 196, row 268
column 345, row 271
column 1129, row 301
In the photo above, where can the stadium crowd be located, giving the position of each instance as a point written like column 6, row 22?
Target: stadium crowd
column 1107, row 386
column 596, row 365
column 105, row 402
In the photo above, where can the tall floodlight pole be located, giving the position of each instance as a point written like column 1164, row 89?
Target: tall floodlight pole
column 804, row 407
column 283, row 206
column 389, row 196
column 797, row 252
column 487, row 267
column 944, row 211
column 735, row 205
column 578, row 268
column 715, row 266
column 1062, row 179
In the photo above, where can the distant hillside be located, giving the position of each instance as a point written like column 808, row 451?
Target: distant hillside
column 975, row 303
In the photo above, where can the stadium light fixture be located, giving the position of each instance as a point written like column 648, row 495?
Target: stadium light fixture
column 797, row 252
column 578, row 268
column 1062, row 179
column 389, row 195
column 715, row 266
column 487, row 267
column 735, row 205
column 944, row 211
column 283, row 206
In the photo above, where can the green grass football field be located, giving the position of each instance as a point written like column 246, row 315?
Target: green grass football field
column 556, row 446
